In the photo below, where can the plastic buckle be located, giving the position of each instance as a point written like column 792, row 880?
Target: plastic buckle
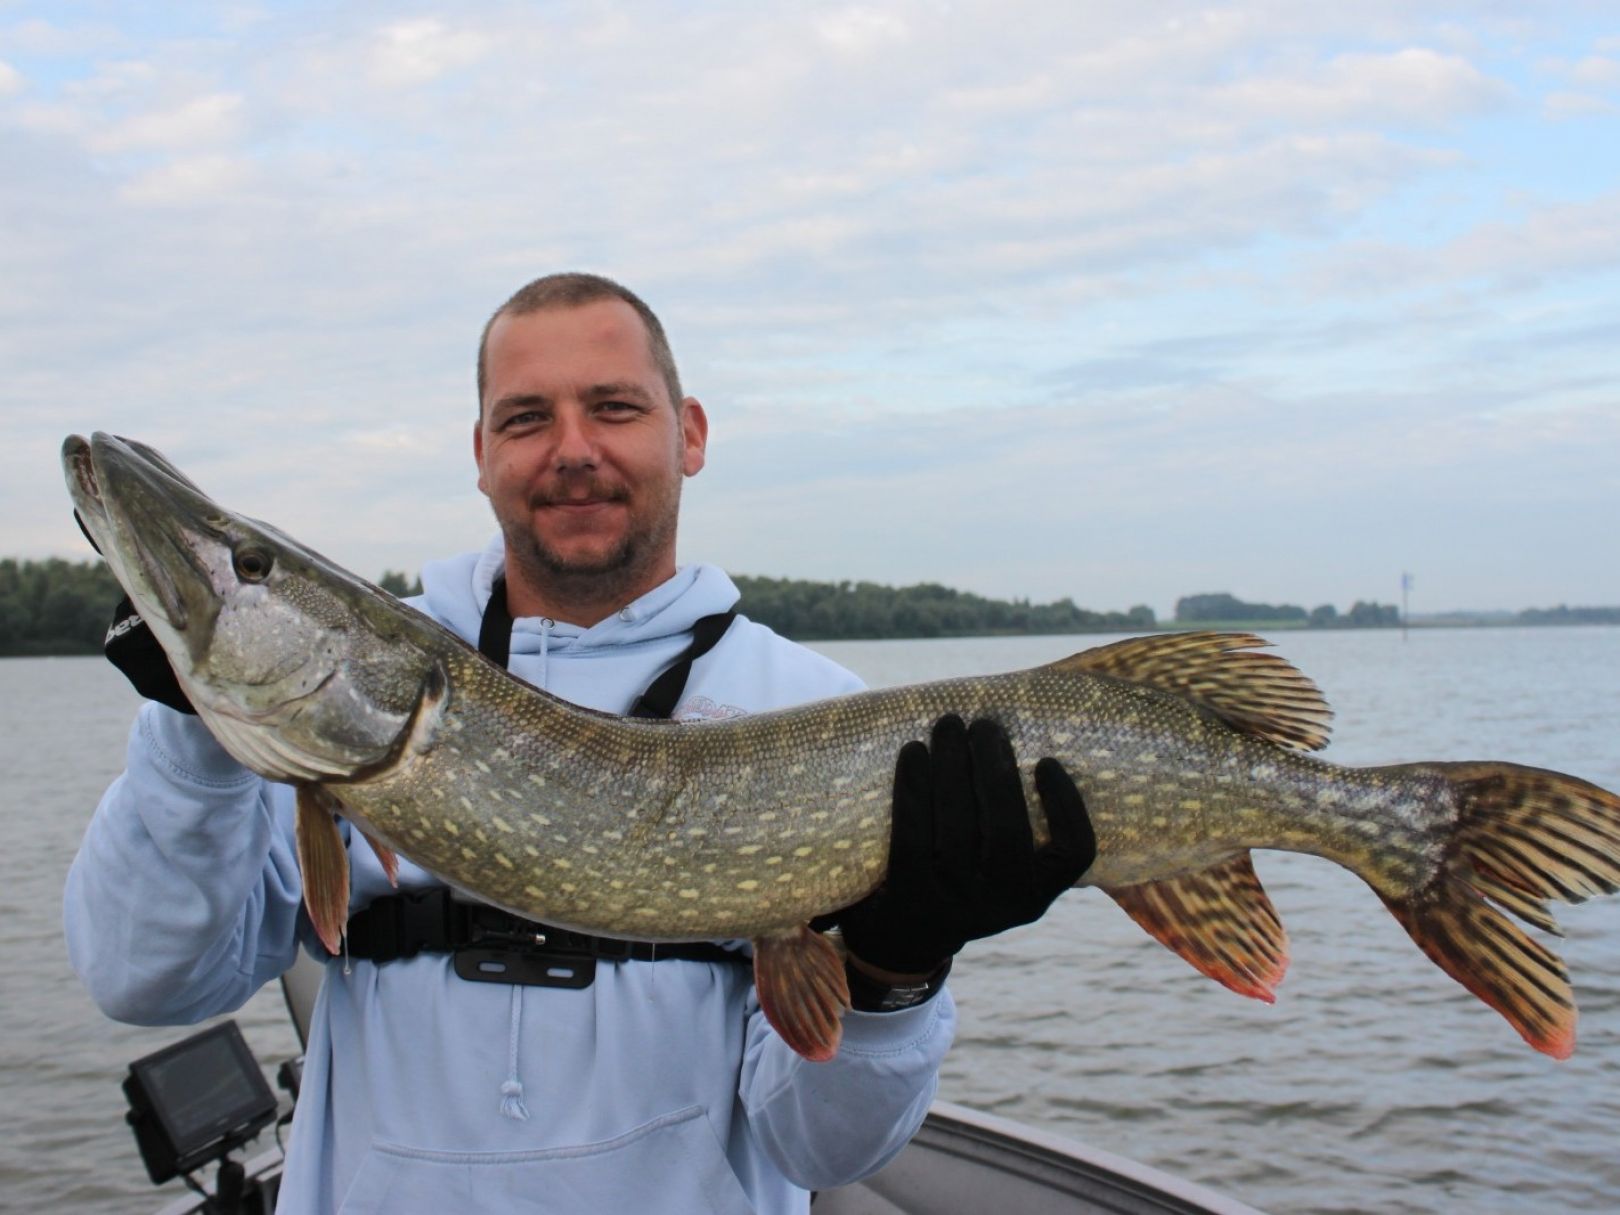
column 422, row 923
column 382, row 921
column 525, row 967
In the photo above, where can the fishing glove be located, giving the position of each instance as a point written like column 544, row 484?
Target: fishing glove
column 131, row 648
column 962, row 859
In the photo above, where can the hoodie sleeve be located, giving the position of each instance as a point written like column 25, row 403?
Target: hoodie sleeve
column 183, row 899
column 831, row 1124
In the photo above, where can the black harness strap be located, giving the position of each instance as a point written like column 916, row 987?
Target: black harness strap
column 663, row 693
column 495, row 630
column 491, row 945
column 435, row 921
column 661, row 696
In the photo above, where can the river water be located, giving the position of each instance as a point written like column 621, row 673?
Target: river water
column 1374, row 1084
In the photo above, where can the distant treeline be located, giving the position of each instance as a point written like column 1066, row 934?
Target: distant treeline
column 63, row 607
column 55, row 606
column 1221, row 607
column 1224, row 608
column 837, row 611
column 1570, row 615
column 396, row 583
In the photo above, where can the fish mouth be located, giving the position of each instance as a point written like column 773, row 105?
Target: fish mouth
column 143, row 515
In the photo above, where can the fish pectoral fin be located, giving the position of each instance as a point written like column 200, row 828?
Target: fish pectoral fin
column 803, row 991
column 1220, row 920
column 386, row 857
column 1259, row 694
column 324, row 863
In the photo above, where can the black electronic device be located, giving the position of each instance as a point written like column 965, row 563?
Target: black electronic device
column 196, row 1101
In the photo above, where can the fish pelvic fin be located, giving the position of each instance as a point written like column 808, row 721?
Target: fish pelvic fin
column 324, row 863
column 1258, row 694
column 1220, row 920
column 799, row 976
column 386, row 857
column 1523, row 836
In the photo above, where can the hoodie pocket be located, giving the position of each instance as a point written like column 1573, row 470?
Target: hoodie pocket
column 673, row 1163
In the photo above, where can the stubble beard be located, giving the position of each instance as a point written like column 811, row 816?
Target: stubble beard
column 610, row 580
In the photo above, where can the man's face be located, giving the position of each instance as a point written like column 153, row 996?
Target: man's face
column 581, row 452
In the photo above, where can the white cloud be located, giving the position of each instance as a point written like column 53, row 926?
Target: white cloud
column 200, row 121
column 1414, row 85
column 1581, row 237
column 1562, row 105
column 39, row 36
column 1083, row 277
column 11, row 80
column 1544, row 240
column 1597, row 71
column 410, row 53
column 861, row 31
column 187, row 181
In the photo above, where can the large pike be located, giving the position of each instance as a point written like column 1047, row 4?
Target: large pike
column 1190, row 750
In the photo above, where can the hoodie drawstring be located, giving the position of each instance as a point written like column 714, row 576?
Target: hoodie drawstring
column 512, row 1091
column 546, row 625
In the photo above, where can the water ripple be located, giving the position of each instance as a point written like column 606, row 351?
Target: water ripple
column 1374, row 1083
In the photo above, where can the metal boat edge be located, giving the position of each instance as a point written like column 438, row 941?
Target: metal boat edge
column 964, row 1160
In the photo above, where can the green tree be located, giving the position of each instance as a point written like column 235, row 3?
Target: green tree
column 398, row 585
column 54, row 606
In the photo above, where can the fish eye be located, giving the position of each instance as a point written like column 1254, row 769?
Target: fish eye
column 252, row 563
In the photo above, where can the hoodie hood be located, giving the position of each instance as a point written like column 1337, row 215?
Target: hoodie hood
column 456, row 591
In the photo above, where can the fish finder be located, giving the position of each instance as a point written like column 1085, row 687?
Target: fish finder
column 196, row 1101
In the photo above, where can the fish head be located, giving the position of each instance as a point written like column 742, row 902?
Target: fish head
column 300, row 669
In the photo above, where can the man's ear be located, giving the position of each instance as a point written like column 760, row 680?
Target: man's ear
column 478, row 454
column 694, row 436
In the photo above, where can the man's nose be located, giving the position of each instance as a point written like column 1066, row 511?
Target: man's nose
column 575, row 446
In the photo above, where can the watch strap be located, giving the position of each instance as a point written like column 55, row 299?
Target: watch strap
column 868, row 994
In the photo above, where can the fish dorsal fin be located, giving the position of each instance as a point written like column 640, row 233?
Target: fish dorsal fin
column 1259, row 694
column 1219, row 920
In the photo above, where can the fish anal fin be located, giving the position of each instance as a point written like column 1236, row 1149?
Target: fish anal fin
column 324, row 864
column 803, row 991
column 1219, row 920
column 1259, row 694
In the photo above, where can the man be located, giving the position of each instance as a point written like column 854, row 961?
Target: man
column 656, row 1085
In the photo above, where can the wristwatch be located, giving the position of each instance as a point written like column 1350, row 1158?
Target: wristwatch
column 867, row 994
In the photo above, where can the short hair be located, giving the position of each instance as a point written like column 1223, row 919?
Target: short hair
column 574, row 290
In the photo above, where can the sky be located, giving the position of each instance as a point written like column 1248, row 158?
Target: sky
column 1114, row 301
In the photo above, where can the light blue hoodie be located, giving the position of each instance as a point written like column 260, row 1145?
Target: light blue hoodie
column 659, row 1088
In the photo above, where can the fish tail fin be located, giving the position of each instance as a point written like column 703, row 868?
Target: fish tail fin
column 1522, row 836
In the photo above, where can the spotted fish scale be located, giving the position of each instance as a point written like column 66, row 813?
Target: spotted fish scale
column 1190, row 750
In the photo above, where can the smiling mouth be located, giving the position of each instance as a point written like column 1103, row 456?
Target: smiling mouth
column 594, row 502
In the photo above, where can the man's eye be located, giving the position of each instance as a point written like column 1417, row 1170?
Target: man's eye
column 528, row 417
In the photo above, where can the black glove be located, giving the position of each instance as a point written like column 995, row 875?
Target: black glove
column 131, row 648
column 962, row 858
